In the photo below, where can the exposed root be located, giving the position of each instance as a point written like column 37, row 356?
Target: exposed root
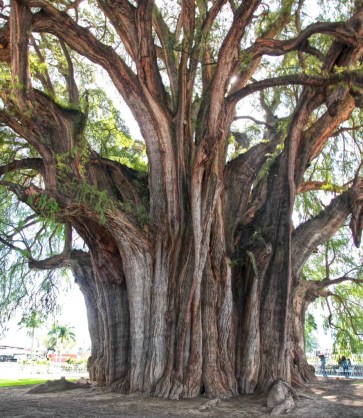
column 210, row 404
column 284, row 407
column 162, row 388
column 121, row 385
column 280, row 397
column 57, row 386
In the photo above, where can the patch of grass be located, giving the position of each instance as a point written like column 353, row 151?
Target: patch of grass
column 24, row 382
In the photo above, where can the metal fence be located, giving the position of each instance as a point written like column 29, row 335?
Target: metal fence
column 333, row 369
column 50, row 369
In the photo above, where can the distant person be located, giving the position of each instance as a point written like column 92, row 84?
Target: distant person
column 322, row 364
column 345, row 366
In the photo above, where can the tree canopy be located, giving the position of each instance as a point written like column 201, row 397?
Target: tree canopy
column 199, row 246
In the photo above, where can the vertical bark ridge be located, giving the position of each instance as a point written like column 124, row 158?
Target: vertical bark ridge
column 20, row 21
column 218, row 345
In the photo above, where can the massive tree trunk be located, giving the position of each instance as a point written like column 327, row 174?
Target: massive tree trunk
column 203, row 296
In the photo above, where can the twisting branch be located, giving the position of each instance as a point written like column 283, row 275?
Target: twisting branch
column 43, row 76
column 10, row 245
column 319, row 229
column 354, row 77
column 257, row 122
column 167, row 40
column 344, row 32
column 146, row 63
column 69, row 76
column 356, row 206
column 24, row 164
column 228, row 60
column 121, row 14
column 347, row 313
column 311, row 185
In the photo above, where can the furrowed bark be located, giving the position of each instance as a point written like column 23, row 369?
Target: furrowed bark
column 20, row 21
column 202, row 295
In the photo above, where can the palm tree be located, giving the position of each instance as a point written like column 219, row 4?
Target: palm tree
column 60, row 336
column 33, row 321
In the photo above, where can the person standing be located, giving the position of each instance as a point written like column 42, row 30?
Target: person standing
column 323, row 364
column 345, row 365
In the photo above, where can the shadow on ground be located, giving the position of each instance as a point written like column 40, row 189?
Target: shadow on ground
column 324, row 398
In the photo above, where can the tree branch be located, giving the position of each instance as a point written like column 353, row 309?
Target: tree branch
column 354, row 77
column 121, row 14
column 346, row 311
column 309, row 186
column 167, row 41
column 69, row 76
column 319, row 229
column 20, row 22
column 51, row 20
column 24, row 164
column 66, row 259
column 11, row 246
column 254, row 120
column 4, row 43
column 344, row 32
column 129, row 184
column 43, row 76
column 227, row 60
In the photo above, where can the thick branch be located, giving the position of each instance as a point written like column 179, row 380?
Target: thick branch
column 122, row 16
column 228, row 59
column 128, row 182
column 20, row 21
column 309, row 186
column 315, row 138
column 51, row 20
column 239, row 176
column 319, row 229
column 310, row 290
column 167, row 42
column 24, row 164
column 69, row 76
column 146, row 63
column 356, row 205
column 4, row 44
column 344, row 32
column 354, row 77
column 65, row 259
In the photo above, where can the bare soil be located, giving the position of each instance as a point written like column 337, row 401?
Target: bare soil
column 324, row 398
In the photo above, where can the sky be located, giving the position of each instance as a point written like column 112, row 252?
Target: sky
column 73, row 314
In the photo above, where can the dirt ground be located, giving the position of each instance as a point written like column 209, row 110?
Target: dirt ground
column 325, row 398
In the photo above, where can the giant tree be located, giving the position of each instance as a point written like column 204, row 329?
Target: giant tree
column 193, row 266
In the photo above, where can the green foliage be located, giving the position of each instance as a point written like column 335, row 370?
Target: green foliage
column 46, row 205
column 342, row 303
column 141, row 212
column 32, row 321
column 108, row 134
column 60, row 336
column 98, row 200
column 310, row 338
column 33, row 292
column 346, row 318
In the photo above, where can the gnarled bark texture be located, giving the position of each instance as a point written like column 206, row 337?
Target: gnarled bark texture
column 204, row 296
